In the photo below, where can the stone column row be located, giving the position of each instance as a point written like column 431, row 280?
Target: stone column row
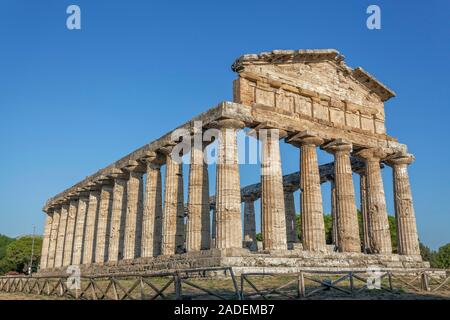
column 109, row 220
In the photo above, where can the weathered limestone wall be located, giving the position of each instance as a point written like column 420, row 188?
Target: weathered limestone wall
column 316, row 85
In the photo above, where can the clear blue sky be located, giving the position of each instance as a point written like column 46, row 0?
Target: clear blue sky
column 74, row 101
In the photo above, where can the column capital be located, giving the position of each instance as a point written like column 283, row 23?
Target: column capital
column 399, row 159
column 304, row 138
column 249, row 198
column 371, row 154
column 167, row 150
column 91, row 186
column 134, row 166
column 82, row 194
column 117, row 174
column 290, row 187
column 104, row 180
column 263, row 130
column 72, row 196
column 152, row 158
column 338, row 145
column 228, row 124
column 49, row 210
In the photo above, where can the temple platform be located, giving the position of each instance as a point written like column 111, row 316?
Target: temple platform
column 245, row 261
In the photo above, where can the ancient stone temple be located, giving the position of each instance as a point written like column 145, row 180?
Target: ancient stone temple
column 129, row 217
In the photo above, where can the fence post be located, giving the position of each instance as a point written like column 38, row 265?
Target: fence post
column 178, row 289
column 390, row 280
column 351, row 281
column 301, row 285
column 425, row 282
column 236, row 288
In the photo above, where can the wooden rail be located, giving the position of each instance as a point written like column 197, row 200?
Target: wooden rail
column 349, row 283
column 190, row 284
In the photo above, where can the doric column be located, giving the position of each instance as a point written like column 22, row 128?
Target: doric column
column 70, row 232
column 61, row 235
column 152, row 217
column 408, row 241
column 250, row 224
column 79, row 228
column 198, row 222
column 119, row 208
column 53, row 237
column 213, row 227
column 228, row 190
column 363, row 208
column 379, row 234
column 291, row 221
column 133, row 220
column 347, row 216
column 104, row 220
column 91, row 224
column 273, row 219
column 46, row 239
column 313, row 229
column 334, row 216
column 173, row 216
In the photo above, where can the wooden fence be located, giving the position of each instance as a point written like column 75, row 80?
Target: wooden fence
column 221, row 283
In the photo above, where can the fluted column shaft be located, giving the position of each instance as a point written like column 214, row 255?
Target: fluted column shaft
column 61, row 236
column 273, row 218
column 213, row 228
column 70, row 232
column 152, row 217
column 347, row 217
column 173, row 217
column 291, row 222
column 228, row 191
column 53, row 238
column 91, row 224
column 117, row 219
column 408, row 241
column 198, row 223
column 79, row 230
column 313, row 228
column 364, row 211
column 379, row 233
column 46, row 240
column 103, row 224
column 133, row 220
column 334, row 216
column 250, row 224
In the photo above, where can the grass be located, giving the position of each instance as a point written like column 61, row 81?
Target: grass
column 224, row 287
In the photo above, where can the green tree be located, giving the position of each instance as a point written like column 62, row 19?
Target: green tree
column 328, row 223
column 4, row 241
column 18, row 254
column 426, row 253
column 442, row 257
column 393, row 230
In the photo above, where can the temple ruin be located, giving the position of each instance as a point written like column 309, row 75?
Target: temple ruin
column 121, row 220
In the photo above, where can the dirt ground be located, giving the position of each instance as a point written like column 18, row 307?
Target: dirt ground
column 286, row 287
